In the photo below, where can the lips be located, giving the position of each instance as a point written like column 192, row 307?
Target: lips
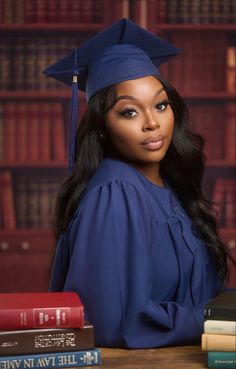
column 153, row 143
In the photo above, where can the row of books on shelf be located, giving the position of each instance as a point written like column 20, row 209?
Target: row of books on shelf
column 224, row 199
column 32, row 132
column 30, row 203
column 196, row 11
column 54, row 11
column 195, row 69
column 35, row 132
column 219, row 337
column 23, row 60
column 217, row 124
column 45, row 330
column 198, row 65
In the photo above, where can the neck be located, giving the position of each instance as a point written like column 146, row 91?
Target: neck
column 151, row 172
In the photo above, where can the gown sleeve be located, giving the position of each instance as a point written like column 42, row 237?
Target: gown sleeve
column 109, row 266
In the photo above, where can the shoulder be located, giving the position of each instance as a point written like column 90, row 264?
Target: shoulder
column 116, row 184
column 111, row 170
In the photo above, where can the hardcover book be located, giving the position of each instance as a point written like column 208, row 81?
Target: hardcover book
column 218, row 342
column 32, row 341
column 221, row 359
column 222, row 307
column 52, row 360
column 220, row 327
column 41, row 310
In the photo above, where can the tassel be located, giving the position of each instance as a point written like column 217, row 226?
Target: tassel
column 73, row 118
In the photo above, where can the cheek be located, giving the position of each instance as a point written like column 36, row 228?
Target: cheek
column 168, row 124
column 120, row 131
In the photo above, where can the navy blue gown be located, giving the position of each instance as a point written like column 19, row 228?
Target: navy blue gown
column 132, row 256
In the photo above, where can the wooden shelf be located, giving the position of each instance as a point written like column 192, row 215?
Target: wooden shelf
column 38, row 95
column 31, row 165
column 66, row 94
column 211, row 95
column 29, row 232
column 221, row 163
column 58, row 27
column 194, row 27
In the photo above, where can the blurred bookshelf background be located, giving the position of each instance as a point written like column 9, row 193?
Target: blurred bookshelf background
column 34, row 111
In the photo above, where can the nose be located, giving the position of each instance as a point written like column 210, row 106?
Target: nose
column 150, row 122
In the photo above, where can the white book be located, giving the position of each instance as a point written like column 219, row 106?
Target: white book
column 220, row 327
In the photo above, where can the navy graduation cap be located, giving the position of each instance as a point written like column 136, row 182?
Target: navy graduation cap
column 121, row 52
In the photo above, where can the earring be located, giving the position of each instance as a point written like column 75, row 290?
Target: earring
column 102, row 136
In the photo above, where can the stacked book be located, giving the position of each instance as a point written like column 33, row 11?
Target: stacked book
column 219, row 337
column 45, row 330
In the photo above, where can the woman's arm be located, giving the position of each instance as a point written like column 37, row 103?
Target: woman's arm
column 110, row 268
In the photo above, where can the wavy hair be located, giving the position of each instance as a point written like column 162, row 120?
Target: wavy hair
column 182, row 167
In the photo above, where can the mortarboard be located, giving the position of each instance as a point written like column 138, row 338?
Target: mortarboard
column 121, row 52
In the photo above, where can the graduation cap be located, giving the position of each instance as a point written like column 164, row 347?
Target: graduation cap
column 121, row 52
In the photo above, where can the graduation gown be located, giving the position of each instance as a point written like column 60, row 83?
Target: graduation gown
column 132, row 256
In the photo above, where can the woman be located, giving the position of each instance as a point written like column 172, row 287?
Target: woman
column 136, row 237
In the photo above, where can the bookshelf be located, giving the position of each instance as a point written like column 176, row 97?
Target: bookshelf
column 34, row 34
column 204, row 75
column 32, row 37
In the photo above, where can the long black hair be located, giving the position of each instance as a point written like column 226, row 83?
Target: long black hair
column 182, row 167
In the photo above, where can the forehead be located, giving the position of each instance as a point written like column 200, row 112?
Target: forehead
column 149, row 85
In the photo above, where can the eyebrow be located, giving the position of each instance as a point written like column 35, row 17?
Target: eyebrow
column 130, row 97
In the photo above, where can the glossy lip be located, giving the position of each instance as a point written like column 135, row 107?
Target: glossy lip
column 153, row 143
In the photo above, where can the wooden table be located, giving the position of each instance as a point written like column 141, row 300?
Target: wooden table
column 181, row 357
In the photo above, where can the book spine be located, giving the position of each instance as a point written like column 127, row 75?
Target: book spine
column 218, row 342
column 45, row 133
column 58, row 133
column 33, row 204
column 57, row 317
column 1, row 134
column 220, row 327
column 21, row 132
column 230, row 132
column 219, row 313
column 10, row 131
column 33, row 132
column 221, row 359
column 7, row 201
column 22, row 202
column 53, row 360
column 46, row 340
column 230, row 210
column 218, row 198
column 231, row 69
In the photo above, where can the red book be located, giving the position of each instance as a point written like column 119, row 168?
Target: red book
column 41, row 11
column 9, row 131
column 33, row 132
column 58, row 133
column 230, row 132
column 21, row 132
column 41, row 310
column 7, row 201
column 230, row 209
column 218, row 199
column 231, row 69
column 45, row 132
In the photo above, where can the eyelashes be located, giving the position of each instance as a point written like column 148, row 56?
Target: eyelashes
column 162, row 105
column 130, row 112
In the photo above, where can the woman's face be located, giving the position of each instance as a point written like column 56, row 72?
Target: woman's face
column 141, row 122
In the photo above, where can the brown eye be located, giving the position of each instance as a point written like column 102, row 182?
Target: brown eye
column 162, row 105
column 128, row 113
